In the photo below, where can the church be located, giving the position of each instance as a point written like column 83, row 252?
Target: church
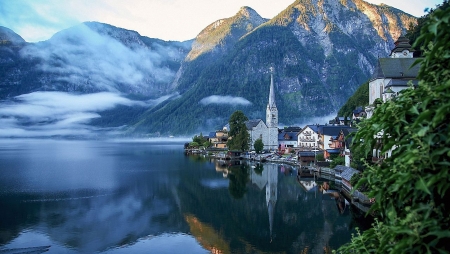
column 393, row 74
column 267, row 132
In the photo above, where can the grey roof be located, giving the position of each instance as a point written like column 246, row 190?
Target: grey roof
column 396, row 68
column 334, row 151
column 314, row 127
column 291, row 134
column 330, row 130
column 346, row 172
column 292, row 129
column 402, row 82
column 307, row 154
column 252, row 123
column 358, row 110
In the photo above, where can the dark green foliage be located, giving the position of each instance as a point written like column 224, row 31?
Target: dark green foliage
column 359, row 98
column 411, row 187
column 194, row 144
column 239, row 137
column 259, row 168
column 413, row 32
column 199, row 139
column 239, row 176
column 259, row 145
column 340, row 160
column 320, row 157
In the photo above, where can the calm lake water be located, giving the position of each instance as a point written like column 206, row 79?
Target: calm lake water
column 148, row 197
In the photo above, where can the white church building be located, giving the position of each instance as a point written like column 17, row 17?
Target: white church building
column 267, row 132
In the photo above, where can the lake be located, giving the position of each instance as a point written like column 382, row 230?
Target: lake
column 60, row 196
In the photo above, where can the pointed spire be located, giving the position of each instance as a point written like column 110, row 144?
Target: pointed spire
column 272, row 91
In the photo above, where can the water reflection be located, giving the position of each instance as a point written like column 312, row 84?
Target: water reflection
column 136, row 197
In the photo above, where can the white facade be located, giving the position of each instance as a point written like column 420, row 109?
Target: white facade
column 272, row 119
column 326, row 142
column 288, row 143
column 307, row 138
column 268, row 132
column 260, row 131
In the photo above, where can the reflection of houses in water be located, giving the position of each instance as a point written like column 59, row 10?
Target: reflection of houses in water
column 308, row 185
column 223, row 165
column 260, row 180
column 269, row 179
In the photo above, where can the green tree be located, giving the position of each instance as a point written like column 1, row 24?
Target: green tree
column 411, row 187
column 320, row 157
column 340, row 160
column 414, row 32
column 194, row 144
column 238, row 132
column 199, row 139
column 259, row 145
column 207, row 144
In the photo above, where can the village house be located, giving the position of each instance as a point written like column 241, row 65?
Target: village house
column 287, row 138
column 357, row 115
column 218, row 139
column 308, row 137
column 328, row 139
column 340, row 120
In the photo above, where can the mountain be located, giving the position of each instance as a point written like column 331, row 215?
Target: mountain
column 120, row 71
column 95, row 76
column 321, row 50
column 9, row 37
column 93, row 57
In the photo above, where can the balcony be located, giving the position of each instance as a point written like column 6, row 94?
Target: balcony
column 307, row 140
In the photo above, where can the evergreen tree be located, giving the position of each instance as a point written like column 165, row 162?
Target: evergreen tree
column 239, row 136
column 259, row 145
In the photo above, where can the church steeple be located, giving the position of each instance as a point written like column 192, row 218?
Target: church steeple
column 271, row 111
column 272, row 92
column 402, row 48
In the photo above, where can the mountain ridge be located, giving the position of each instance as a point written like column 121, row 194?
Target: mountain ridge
column 321, row 50
column 318, row 62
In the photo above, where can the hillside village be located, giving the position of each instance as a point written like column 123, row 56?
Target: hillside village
column 331, row 140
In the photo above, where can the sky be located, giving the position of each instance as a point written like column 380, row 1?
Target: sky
column 178, row 20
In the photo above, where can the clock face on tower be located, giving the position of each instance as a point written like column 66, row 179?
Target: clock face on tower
column 405, row 52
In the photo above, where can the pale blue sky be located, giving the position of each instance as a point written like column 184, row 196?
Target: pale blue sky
column 37, row 20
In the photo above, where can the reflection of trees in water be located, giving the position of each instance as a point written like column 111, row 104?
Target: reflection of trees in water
column 300, row 219
column 198, row 157
column 259, row 168
column 239, row 178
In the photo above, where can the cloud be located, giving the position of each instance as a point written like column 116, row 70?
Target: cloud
column 216, row 99
column 42, row 114
column 317, row 120
column 114, row 60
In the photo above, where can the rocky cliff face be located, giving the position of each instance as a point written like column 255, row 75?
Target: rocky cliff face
column 322, row 51
column 224, row 33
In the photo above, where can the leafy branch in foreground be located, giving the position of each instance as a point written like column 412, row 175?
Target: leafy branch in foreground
column 411, row 187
